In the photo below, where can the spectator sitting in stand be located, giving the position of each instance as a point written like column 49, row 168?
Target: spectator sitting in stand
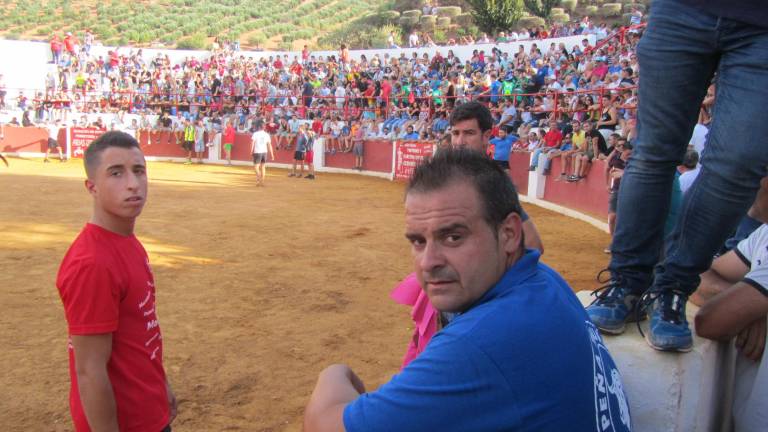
column 689, row 169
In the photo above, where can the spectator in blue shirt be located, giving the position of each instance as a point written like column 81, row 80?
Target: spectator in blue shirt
column 440, row 125
column 410, row 133
column 501, row 147
column 497, row 365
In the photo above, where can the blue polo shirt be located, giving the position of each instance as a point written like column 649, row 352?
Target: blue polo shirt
column 502, row 147
column 525, row 357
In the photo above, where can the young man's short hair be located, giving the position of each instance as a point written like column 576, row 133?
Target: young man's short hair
column 472, row 110
column 494, row 187
column 106, row 140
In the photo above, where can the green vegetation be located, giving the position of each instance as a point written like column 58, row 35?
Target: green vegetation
column 188, row 24
column 289, row 24
column 541, row 8
column 495, row 15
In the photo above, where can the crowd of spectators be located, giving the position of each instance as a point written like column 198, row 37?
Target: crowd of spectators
column 347, row 99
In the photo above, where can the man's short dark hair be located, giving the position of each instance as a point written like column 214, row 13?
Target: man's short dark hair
column 105, row 141
column 691, row 159
column 497, row 193
column 472, row 110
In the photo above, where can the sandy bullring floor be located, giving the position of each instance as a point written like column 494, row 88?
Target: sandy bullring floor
column 258, row 288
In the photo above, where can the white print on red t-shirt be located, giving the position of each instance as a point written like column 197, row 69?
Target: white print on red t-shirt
column 152, row 325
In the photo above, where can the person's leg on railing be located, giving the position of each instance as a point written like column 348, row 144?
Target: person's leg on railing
column 735, row 160
column 678, row 57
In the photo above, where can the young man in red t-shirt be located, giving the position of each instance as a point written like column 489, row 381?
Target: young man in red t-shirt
column 108, row 291
column 229, row 141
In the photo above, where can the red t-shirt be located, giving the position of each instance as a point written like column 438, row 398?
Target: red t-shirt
column 229, row 135
column 271, row 127
column 106, row 286
column 553, row 137
column 69, row 43
column 317, row 126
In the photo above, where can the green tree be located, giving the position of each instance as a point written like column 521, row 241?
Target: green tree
column 496, row 15
column 541, row 8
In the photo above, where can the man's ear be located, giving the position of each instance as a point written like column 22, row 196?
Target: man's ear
column 511, row 233
column 486, row 136
column 90, row 186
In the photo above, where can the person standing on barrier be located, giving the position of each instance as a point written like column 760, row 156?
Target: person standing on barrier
column 686, row 43
column 108, row 291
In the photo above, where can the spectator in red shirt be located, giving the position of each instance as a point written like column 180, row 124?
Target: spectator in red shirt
column 108, row 291
column 553, row 139
column 229, row 141
column 56, row 49
column 69, row 43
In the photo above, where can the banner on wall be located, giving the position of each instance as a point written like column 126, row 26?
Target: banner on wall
column 408, row 154
column 81, row 138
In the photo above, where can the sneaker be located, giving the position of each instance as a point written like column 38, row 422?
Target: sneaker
column 291, row 175
column 614, row 306
column 309, row 176
column 572, row 178
column 531, row 168
column 607, row 249
column 669, row 330
column 46, row 161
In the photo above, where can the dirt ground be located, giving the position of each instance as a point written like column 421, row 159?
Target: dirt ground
column 258, row 288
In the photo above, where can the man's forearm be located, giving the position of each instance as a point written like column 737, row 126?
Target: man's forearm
column 711, row 285
column 336, row 387
column 98, row 401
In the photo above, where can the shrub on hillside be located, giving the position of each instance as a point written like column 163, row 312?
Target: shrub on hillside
column 590, row 10
column 412, row 13
column 427, row 26
column 561, row 18
column 629, row 6
column 389, row 15
column 530, row 21
column 611, row 9
column 195, row 42
column 464, row 19
column 448, row 11
column 570, row 5
column 443, row 22
column 256, row 39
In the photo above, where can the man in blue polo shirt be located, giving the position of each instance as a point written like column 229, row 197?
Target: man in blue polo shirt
column 497, row 365
column 502, row 146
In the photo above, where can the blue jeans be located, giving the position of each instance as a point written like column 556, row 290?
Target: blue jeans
column 535, row 158
column 679, row 54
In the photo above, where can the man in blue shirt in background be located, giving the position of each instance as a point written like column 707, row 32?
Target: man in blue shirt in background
column 500, row 364
column 502, row 146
